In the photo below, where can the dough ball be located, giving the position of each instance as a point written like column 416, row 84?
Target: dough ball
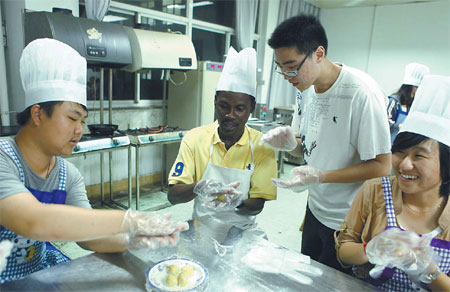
column 189, row 269
column 183, row 279
column 174, row 269
column 171, row 280
column 221, row 198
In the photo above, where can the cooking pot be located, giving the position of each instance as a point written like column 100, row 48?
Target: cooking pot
column 102, row 129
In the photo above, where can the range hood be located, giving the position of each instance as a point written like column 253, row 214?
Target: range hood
column 101, row 43
column 160, row 50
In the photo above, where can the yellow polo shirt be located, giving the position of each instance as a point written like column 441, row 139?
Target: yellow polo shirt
column 193, row 158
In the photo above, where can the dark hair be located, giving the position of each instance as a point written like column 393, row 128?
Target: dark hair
column 302, row 31
column 406, row 140
column 48, row 107
column 404, row 95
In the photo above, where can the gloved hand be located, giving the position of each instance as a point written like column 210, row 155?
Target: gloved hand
column 144, row 229
column 216, row 194
column 303, row 178
column 5, row 250
column 281, row 138
column 137, row 242
column 405, row 250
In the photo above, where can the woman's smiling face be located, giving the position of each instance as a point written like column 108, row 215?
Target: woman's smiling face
column 418, row 168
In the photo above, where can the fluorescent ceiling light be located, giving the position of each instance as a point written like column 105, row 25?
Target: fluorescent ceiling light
column 182, row 6
column 113, row 18
column 202, row 3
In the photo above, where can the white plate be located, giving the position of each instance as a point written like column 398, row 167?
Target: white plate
column 157, row 275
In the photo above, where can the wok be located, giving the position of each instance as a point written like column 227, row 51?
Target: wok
column 102, row 129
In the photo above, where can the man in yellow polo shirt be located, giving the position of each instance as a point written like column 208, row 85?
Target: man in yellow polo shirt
column 222, row 166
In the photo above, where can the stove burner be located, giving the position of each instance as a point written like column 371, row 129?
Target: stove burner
column 152, row 130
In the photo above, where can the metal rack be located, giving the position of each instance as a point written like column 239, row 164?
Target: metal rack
column 111, row 202
column 161, row 139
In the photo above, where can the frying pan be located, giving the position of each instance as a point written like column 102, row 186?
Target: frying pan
column 102, row 129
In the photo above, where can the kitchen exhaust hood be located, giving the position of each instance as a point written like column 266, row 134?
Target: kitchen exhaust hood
column 160, row 50
column 101, row 43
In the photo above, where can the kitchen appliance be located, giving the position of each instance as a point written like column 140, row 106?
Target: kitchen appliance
column 89, row 142
column 138, row 136
column 141, row 138
column 160, row 50
column 191, row 97
column 100, row 143
column 101, row 43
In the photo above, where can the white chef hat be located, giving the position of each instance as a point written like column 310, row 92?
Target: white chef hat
column 52, row 71
column 239, row 72
column 414, row 73
column 430, row 112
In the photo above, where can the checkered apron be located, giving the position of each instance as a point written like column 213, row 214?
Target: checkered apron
column 393, row 279
column 27, row 255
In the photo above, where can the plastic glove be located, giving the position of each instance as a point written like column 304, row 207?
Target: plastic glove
column 281, row 138
column 5, row 250
column 137, row 242
column 216, row 194
column 303, row 178
column 150, row 224
column 403, row 249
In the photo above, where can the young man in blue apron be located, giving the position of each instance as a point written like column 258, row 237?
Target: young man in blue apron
column 221, row 166
column 42, row 196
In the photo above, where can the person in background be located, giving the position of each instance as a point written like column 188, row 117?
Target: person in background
column 401, row 101
column 42, row 196
column 340, row 126
column 414, row 201
column 221, row 166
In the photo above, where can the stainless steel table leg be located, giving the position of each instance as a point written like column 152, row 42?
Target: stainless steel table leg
column 130, row 186
column 110, row 177
column 163, row 166
column 138, row 192
column 102, row 187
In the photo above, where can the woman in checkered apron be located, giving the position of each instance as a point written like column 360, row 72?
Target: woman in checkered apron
column 414, row 202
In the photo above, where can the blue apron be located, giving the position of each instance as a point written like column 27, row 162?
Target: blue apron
column 393, row 279
column 27, row 255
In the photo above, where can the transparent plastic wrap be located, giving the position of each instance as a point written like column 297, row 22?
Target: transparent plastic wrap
column 280, row 138
column 404, row 250
column 150, row 230
column 216, row 195
column 237, row 260
column 303, row 177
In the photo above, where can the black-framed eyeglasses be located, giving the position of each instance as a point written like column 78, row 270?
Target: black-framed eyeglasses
column 291, row 73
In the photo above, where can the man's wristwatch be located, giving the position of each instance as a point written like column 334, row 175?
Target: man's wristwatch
column 430, row 277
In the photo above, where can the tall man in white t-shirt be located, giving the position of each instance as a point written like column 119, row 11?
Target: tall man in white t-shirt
column 340, row 127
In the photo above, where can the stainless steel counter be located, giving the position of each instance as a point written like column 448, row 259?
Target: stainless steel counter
column 244, row 261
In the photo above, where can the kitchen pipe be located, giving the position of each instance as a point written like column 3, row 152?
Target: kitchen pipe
column 4, row 104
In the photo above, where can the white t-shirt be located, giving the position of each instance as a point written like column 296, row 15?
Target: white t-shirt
column 341, row 127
